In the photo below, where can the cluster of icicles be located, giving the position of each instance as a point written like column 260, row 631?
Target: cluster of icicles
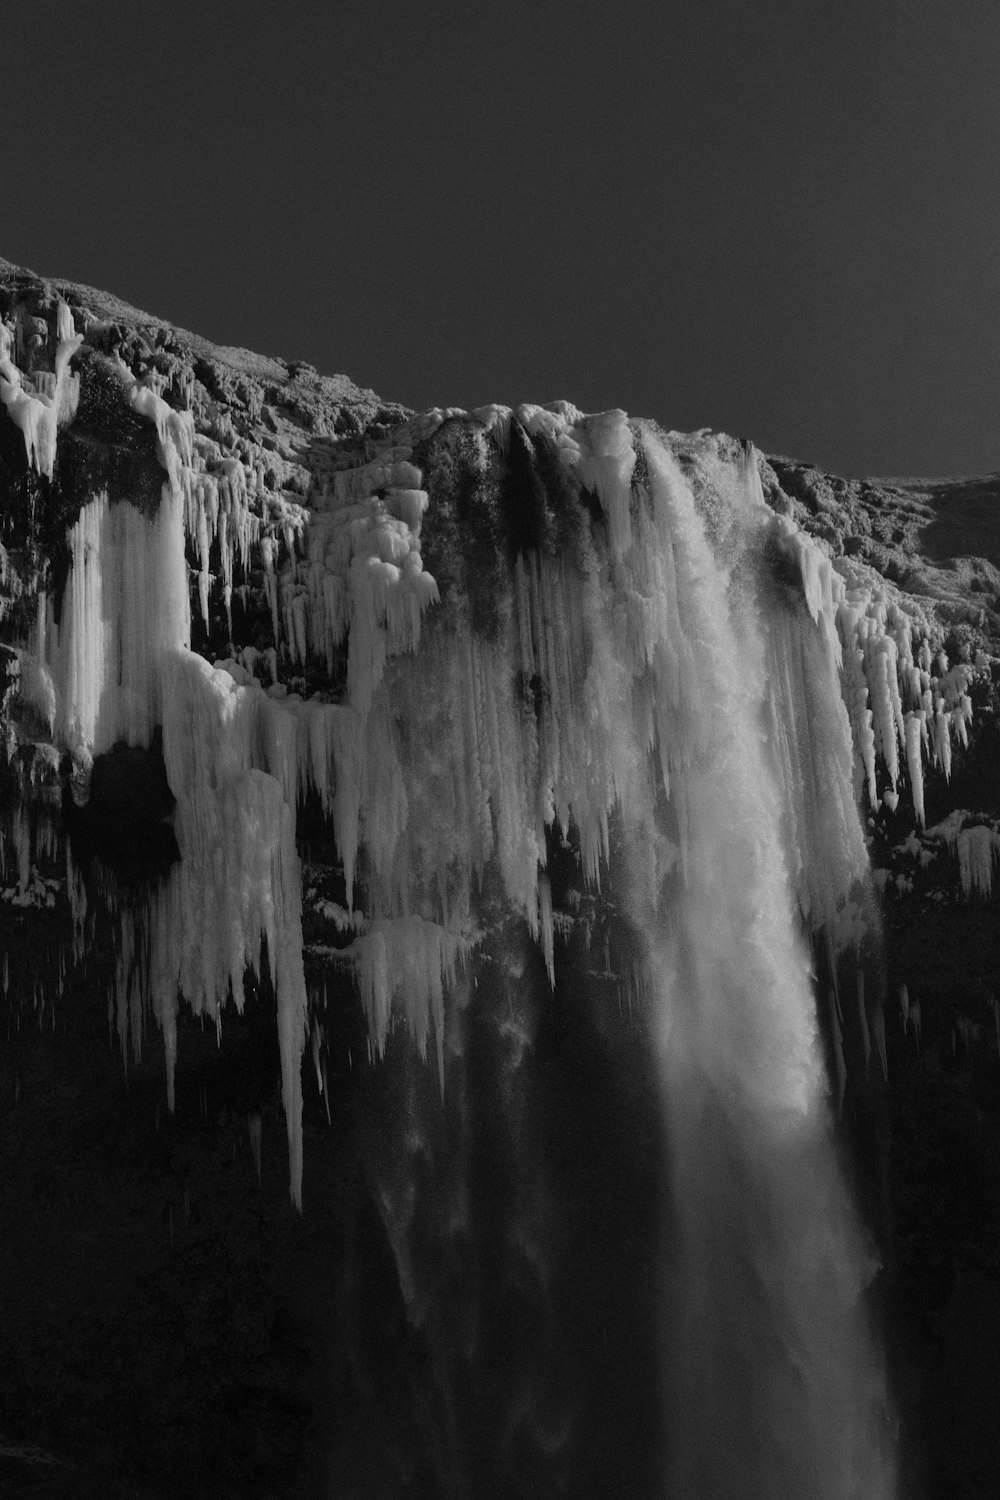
column 39, row 412
column 977, row 849
column 433, row 763
column 974, row 844
column 897, row 702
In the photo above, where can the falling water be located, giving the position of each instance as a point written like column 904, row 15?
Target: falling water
column 707, row 700
column 774, row 1388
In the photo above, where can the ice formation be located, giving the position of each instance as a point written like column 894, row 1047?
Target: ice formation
column 38, row 412
column 449, row 747
column 976, row 846
column 95, row 677
column 118, row 665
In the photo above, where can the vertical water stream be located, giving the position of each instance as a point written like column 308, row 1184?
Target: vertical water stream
column 774, row 1387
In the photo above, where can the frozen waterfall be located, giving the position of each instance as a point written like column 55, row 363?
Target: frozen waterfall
column 568, row 660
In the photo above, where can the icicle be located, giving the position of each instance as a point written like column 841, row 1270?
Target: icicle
column 914, row 733
column 838, row 1050
column 878, row 1026
column 978, row 851
column 942, row 739
column 545, row 926
column 316, row 1043
column 884, row 696
column 268, row 550
column 416, row 960
column 326, row 1089
column 855, row 691
column 863, row 1018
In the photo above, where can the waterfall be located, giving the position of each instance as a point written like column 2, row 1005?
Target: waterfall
column 689, row 710
column 590, row 744
column 774, row 1388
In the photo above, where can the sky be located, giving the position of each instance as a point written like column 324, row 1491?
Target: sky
column 775, row 217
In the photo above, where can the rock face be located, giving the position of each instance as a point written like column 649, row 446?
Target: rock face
column 165, row 1310
column 935, row 538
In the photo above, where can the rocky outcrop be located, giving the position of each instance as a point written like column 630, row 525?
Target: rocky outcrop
column 936, row 539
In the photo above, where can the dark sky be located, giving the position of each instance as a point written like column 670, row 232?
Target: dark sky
column 778, row 218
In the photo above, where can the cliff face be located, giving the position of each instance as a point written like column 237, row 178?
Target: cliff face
column 938, row 541
column 163, row 1304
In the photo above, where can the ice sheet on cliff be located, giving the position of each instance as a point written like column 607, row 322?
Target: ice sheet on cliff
column 451, row 748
